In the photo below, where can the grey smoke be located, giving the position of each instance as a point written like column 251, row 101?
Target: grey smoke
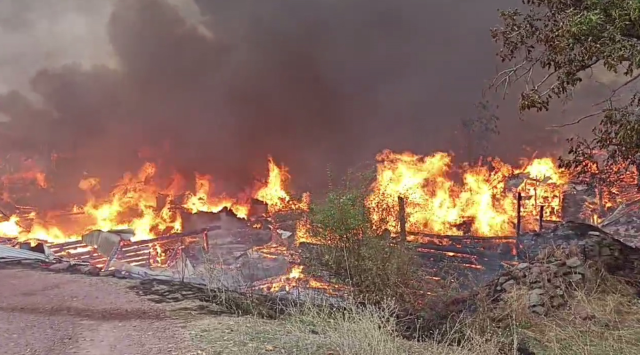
column 215, row 86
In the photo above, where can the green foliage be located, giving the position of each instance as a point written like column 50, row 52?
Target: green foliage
column 351, row 251
column 614, row 148
column 565, row 38
column 342, row 217
column 553, row 43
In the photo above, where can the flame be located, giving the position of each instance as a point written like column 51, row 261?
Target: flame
column 10, row 228
column 620, row 187
column 131, row 204
column 480, row 203
column 479, row 200
column 134, row 203
column 303, row 231
column 297, row 278
column 202, row 200
column 274, row 194
column 26, row 172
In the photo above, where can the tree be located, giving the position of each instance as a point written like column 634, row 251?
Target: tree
column 552, row 45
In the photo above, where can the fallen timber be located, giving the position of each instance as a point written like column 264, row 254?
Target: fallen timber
column 474, row 259
column 131, row 252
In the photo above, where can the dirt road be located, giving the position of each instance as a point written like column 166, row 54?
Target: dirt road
column 48, row 313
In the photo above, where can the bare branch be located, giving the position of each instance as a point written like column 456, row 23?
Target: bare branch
column 578, row 120
column 616, row 90
column 506, row 77
column 545, row 79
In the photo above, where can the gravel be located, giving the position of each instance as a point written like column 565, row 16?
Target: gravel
column 50, row 313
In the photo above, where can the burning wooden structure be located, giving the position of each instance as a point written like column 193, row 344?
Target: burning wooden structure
column 474, row 225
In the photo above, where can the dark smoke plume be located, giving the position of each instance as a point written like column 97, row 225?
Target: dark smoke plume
column 312, row 83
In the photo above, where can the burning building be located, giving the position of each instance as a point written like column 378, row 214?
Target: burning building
column 145, row 220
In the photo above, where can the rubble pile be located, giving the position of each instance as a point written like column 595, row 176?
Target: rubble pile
column 624, row 223
column 616, row 253
column 548, row 284
column 555, row 263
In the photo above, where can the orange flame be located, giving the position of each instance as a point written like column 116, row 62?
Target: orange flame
column 273, row 193
column 134, row 203
column 435, row 204
column 202, row 200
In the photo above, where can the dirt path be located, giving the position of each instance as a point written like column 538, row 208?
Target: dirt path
column 48, row 313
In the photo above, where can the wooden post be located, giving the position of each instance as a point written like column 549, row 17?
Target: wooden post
column 402, row 217
column 541, row 218
column 519, row 217
column 205, row 241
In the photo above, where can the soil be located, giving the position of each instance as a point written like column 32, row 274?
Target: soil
column 54, row 313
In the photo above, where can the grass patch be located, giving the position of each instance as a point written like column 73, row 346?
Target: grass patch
column 604, row 320
column 357, row 331
column 601, row 317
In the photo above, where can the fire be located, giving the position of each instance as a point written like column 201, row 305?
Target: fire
column 480, row 204
column 135, row 202
column 10, row 228
column 303, row 231
column 202, row 200
column 478, row 200
column 23, row 171
column 297, row 278
column 273, row 193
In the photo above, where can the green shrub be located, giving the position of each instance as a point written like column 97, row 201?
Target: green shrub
column 374, row 265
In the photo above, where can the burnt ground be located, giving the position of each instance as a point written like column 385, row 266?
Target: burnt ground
column 55, row 313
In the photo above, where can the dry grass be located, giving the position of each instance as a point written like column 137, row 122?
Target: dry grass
column 369, row 330
column 320, row 331
column 602, row 318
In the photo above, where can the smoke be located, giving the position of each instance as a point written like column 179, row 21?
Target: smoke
column 215, row 86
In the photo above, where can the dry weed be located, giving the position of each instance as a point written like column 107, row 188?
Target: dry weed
column 370, row 330
column 602, row 317
column 603, row 320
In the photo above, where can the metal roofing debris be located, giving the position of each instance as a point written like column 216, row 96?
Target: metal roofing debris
column 10, row 253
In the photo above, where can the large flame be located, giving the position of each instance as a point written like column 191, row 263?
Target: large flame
column 274, row 193
column 481, row 203
column 440, row 199
column 135, row 202
column 204, row 201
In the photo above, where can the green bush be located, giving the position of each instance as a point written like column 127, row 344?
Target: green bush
column 373, row 264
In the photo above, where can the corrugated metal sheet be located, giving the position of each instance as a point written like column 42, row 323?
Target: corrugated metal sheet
column 7, row 252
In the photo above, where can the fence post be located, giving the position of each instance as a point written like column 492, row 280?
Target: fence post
column 541, row 218
column 402, row 217
column 519, row 217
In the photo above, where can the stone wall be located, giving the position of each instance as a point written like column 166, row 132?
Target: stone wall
column 555, row 263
